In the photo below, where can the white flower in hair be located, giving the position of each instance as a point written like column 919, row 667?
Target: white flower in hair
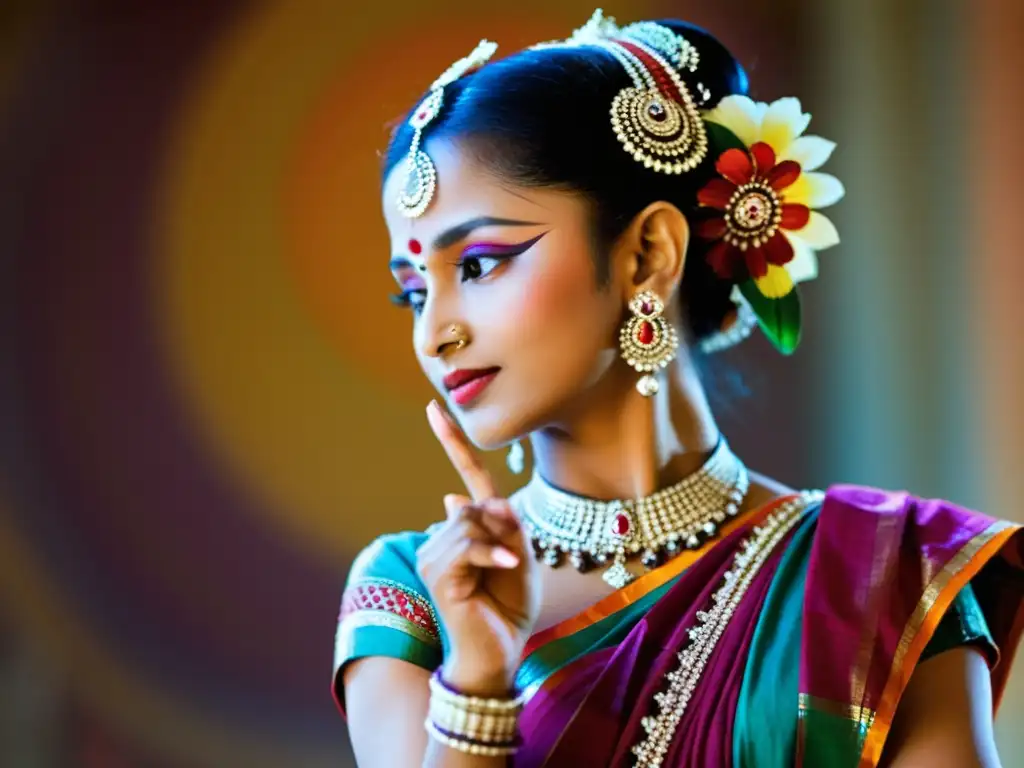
column 768, row 195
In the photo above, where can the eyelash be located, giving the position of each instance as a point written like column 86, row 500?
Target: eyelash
column 405, row 298
column 498, row 258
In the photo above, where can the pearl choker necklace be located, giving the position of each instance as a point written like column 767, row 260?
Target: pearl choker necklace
column 593, row 533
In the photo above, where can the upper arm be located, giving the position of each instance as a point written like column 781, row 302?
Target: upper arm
column 387, row 704
column 944, row 718
column 388, row 642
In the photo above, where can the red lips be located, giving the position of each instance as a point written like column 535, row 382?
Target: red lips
column 466, row 384
column 456, row 379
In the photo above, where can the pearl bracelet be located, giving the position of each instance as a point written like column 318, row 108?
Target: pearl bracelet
column 472, row 724
column 470, row 746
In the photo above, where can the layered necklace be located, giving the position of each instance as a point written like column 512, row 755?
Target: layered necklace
column 595, row 534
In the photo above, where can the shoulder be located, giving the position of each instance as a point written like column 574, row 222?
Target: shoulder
column 383, row 589
column 852, row 506
column 389, row 554
column 386, row 610
column 896, row 542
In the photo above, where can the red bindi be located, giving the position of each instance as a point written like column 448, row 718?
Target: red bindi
column 415, row 248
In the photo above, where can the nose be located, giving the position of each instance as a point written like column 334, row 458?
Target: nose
column 448, row 341
column 437, row 334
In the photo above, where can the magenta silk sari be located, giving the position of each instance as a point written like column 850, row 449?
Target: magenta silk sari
column 880, row 571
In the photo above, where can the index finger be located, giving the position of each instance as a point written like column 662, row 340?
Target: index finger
column 476, row 478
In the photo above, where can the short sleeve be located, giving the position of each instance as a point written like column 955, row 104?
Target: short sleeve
column 385, row 610
column 963, row 624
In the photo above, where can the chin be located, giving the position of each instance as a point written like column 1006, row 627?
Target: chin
column 489, row 426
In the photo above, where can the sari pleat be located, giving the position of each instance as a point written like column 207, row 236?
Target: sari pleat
column 705, row 735
column 764, row 726
column 675, row 615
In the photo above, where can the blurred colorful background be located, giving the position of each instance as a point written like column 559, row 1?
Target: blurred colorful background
column 208, row 406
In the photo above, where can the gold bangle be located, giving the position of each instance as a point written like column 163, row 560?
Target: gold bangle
column 478, row 726
column 440, row 690
column 467, row 745
column 471, row 723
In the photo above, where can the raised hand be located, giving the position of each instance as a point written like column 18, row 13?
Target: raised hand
column 480, row 572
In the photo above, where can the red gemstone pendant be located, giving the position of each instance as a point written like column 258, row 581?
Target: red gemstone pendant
column 620, row 526
column 646, row 333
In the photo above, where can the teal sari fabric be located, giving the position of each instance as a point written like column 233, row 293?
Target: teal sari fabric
column 765, row 727
column 553, row 656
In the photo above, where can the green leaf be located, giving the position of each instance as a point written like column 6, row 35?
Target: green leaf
column 779, row 318
column 721, row 138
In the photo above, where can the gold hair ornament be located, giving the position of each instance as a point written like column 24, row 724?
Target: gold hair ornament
column 657, row 120
column 420, row 174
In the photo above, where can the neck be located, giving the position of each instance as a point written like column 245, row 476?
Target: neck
column 627, row 445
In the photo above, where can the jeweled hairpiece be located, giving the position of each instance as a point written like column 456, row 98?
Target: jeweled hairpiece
column 420, row 174
column 657, row 120
column 760, row 208
column 759, row 211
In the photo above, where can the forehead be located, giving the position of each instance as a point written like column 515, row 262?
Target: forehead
column 466, row 188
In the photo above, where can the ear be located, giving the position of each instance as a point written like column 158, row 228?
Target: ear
column 651, row 253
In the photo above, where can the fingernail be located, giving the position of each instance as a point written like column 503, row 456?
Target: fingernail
column 498, row 507
column 451, row 504
column 504, row 558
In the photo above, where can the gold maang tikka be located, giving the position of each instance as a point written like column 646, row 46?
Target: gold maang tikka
column 420, row 174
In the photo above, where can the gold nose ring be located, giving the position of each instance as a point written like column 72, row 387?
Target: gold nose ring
column 460, row 341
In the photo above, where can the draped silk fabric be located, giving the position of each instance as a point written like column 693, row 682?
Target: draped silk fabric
column 805, row 669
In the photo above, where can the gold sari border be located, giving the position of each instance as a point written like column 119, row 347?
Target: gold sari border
column 864, row 717
column 647, row 583
column 920, row 628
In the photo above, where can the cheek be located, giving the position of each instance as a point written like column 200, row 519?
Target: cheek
column 559, row 299
column 558, row 311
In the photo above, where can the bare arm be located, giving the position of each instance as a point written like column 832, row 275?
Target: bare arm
column 944, row 719
column 481, row 577
column 387, row 704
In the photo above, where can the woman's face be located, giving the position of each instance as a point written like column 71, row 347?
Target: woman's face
column 513, row 269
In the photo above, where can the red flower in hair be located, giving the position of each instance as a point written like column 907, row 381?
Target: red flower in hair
column 754, row 213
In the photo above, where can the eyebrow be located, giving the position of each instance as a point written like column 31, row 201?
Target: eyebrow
column 459, row 232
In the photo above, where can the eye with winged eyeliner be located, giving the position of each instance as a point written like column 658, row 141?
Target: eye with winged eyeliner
column 474, row 254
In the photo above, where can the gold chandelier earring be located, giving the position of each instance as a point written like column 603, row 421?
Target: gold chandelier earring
column 647, row 341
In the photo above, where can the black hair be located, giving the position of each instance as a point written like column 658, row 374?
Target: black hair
column 541, row 118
